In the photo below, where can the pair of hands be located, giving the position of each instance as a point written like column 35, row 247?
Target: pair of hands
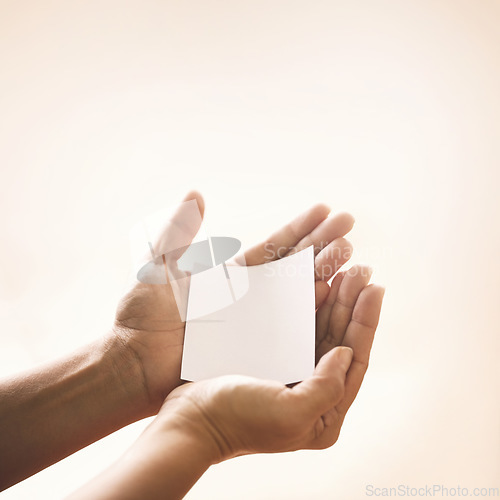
column 235, row 415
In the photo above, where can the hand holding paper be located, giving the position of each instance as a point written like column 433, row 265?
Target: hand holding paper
column 206, row 422
column 148, row 322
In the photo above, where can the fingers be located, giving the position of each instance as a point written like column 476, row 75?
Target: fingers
column 359, row 337
column 325, row 232
column 353, row 282
column 325, row 388
column 321, row 291
column 327, row 263
column 310, row 228
column 332, row 258
column 279, row 244
column 324, row 312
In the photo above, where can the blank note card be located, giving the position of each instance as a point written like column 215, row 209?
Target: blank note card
column 267, row 333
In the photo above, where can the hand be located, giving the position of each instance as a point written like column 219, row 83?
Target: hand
column 239, row 415
column 235, row 415
column 206, row 422
column 148, row 321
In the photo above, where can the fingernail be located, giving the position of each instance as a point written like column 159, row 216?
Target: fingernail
column 345, row 357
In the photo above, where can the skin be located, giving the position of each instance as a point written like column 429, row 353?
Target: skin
column 206, row 422
column 148, row 321
column 133, row 372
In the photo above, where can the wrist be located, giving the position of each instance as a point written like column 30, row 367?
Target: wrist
column 182, row 415
column 190, row 439
column 151, row 362
column 129, row 377
column 167, row 459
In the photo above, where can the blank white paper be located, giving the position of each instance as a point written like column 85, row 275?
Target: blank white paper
column 269, row 332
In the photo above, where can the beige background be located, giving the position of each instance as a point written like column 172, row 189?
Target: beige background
column 389, row 109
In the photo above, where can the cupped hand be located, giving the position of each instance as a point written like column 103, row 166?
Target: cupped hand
column 238, row 415
column 235, row 415
column 148, row 322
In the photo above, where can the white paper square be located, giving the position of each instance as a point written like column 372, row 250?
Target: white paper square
column 268, row 333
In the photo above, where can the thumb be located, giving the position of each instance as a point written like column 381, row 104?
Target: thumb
column 179, row 231
column 325, row 388
column 169, row 235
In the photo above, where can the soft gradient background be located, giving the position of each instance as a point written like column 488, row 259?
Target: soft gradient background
column 388, row 109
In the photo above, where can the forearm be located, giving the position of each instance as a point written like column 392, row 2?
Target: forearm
column 162, row 464
column 55, row 410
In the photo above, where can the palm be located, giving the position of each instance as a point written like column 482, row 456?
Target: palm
column 148, row 317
